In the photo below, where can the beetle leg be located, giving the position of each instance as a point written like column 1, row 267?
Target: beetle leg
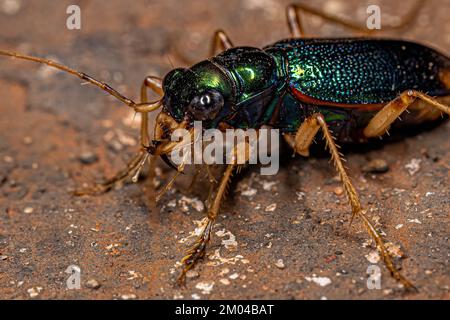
column 136, row 164
column 199, row 248
column 219, row 42
column 297, row 31
column 381, row 122
column 313, row 124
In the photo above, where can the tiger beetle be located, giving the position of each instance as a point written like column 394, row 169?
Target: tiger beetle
column 344, row 90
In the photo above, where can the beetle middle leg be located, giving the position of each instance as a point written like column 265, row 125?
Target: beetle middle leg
column 381, row 122
column 301, row 143
column 134, row 166
column 297, row 31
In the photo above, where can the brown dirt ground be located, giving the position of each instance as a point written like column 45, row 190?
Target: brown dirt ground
column 121, row 240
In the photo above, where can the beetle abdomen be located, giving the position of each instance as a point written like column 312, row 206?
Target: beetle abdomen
column 361, row 71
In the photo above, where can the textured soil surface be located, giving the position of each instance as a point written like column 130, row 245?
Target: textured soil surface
column 278, row 237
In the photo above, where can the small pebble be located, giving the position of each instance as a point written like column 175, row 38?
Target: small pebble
column 34, row 292
column 376, row 166
column 3, row 257
column 250, row 192
column 28, row 210
column 280, row 264
column 234, row 276
column 8, row 159
column 338, row 191
column 93, row 284
column 128, row 296
column 321, row 281
column 27, row 140
column 394, row 250
column 205, row 287
column 373, row 257
column 88, row 157
column 271, row 207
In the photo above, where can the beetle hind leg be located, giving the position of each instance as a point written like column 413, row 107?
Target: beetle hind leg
column 381, row 122
column 301, row 143
column 297, row 31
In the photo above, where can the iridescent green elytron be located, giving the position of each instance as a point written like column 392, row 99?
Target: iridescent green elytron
column 284, row 83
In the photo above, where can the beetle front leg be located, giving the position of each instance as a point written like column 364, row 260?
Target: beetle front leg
column 199, row 248
column 133, row 167
column 301, row 143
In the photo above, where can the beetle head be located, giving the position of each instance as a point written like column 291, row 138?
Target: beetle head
column 200, row 93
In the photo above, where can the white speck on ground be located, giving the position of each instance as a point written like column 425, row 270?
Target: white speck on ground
column 34, row 292
column 280, row 264
column 373, row 257
column 193, row 202
column 205, row 287
column 394, row 250
column 224, row 271
column 234, row 276
column 10, row 7
column 269, row 185
column 413, row 166
column 133, row 275
column 321, row 281
column 229, row 243
column 300, row 195
column 178, row 296
column 367, row 243
column 250, row 192
column 414, row 221
column 271, row 207
column 28, row 210
column 217, row 259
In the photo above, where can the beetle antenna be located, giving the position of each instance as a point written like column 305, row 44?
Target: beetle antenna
column 139, row 107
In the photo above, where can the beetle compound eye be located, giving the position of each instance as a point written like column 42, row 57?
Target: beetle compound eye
column 206, row 105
